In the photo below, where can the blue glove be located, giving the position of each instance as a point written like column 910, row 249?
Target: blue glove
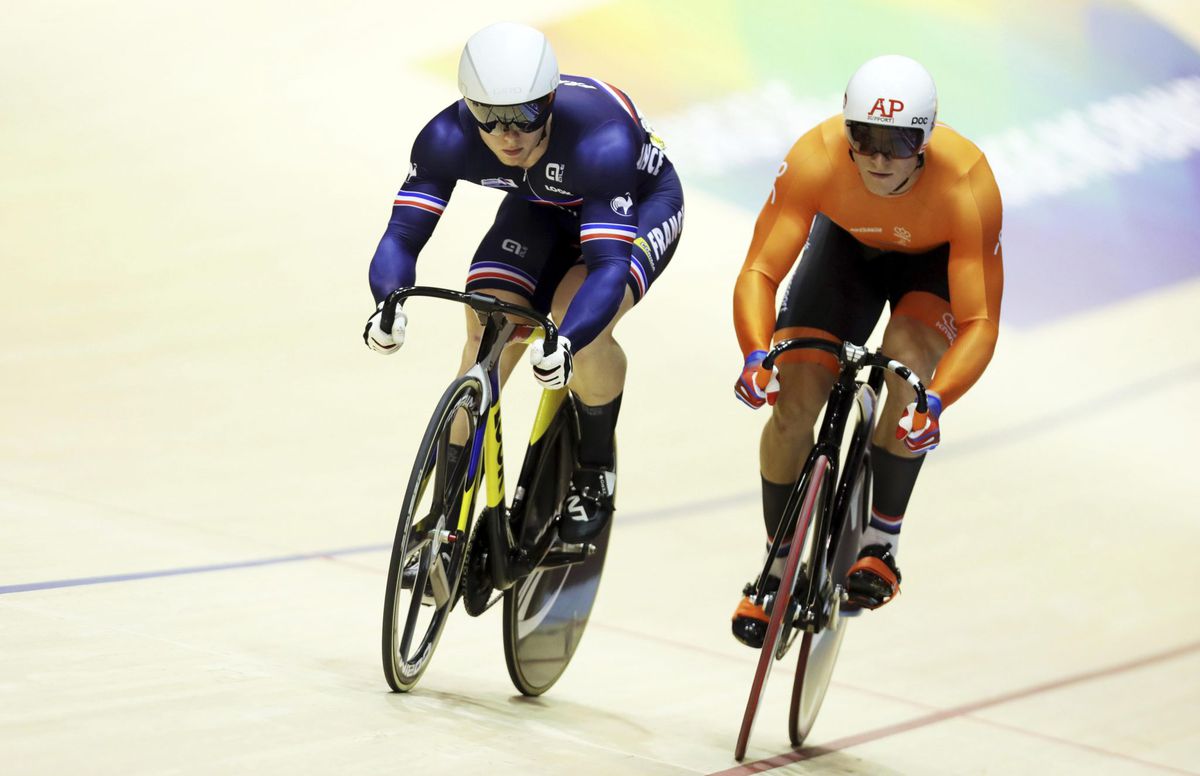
column 921, row 433
column 756, row 386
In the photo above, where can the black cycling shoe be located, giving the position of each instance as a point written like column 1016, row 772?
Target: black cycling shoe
column 874, row 579
column 750, row 619
column 588, row 506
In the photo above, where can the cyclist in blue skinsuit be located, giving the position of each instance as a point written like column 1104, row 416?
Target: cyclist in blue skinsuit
column 591, row 216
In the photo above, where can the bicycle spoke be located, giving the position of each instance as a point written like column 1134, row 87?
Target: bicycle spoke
column 414, row 606
column 422, row 527
column 452, row 497
column 416, row 545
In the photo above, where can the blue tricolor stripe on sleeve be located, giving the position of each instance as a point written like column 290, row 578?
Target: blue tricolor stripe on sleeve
column 598, row 231
column 621, row 98
column 420, row 201
column 639, row 275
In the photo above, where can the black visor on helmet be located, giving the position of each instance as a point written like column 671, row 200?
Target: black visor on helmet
column 891, row 141
column 523, row 117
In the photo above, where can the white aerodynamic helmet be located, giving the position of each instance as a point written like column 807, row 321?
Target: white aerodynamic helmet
column 508, row 74
column 890, row 107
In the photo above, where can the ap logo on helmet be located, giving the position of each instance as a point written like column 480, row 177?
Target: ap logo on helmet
column 880, row 111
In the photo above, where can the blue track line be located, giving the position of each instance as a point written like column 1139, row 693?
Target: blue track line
column 245, row 564
column 1028, row 428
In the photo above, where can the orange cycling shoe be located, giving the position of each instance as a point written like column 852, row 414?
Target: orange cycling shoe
column 874, row 579
column 750, row 619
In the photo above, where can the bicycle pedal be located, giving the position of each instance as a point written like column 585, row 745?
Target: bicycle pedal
column 562, row 554
column 768, row 595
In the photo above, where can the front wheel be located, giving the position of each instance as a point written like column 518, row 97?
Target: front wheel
column 782, row 607
column 431, row 542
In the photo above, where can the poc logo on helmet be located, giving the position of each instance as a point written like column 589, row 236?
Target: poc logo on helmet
column 922, row 120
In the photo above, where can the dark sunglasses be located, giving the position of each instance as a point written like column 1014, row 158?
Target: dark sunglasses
column 892, row 142
column 524, row 117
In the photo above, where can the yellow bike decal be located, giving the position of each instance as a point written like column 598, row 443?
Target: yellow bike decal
column 547, row 407
column 468, row 497
column 493, row 454
column 464, row 512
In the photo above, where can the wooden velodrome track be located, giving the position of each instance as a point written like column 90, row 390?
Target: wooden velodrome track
column 201, row 463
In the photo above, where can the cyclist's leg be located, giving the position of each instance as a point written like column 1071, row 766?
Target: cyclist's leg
column 597, row 385
column 512, row 353
column 917, row 336
column 600, row 367
column 919, row 332
column 834, row 294
column 787, row 436
column 507, row 264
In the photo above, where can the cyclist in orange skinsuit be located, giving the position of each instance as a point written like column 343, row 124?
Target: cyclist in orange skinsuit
column 879, row 208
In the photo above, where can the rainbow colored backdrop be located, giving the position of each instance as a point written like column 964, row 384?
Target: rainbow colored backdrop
column 1089, row 111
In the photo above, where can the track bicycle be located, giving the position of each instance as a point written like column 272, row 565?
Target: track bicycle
column 824, row 520
column 443, row 553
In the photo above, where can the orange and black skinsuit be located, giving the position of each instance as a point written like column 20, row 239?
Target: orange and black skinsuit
column 933, row 253
column 955, row 202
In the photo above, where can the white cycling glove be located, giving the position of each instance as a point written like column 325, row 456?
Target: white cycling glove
column 553, row 369
column 385, row 341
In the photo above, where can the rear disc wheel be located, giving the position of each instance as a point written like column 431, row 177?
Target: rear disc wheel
column 545, row 615
column 819, row 651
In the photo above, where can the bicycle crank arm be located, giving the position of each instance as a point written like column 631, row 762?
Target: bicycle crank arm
column 439, row 583
column 567, row 555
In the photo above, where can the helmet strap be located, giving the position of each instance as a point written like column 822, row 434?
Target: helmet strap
column 903, row 183
column 920, row 164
